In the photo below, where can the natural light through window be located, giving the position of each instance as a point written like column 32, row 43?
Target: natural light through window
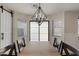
column 58, row 28
column 34, row 31
column 44, row 31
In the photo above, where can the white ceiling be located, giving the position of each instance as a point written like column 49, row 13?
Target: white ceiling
column 48, row 8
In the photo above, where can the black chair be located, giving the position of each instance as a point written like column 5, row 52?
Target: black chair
column 60, row 46
column 24, row 44
column 55, row 43
column 11, row 48
column 18, row 45
column 21, row 44
column 67, row 50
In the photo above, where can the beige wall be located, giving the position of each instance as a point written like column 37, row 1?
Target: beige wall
column 58, row 16
column 25, row 18
column 70, row 35
column 71, row 28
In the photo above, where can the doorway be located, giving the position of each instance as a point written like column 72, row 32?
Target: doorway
column 38, row 33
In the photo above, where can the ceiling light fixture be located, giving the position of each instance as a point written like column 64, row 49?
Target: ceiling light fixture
column 39, row 16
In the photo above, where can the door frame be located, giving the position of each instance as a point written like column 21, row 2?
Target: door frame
column 48, row 28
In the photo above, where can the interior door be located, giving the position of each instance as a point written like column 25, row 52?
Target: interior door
column 5, row 31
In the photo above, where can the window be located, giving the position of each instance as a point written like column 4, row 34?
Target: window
column 39, row 33
column 44, row 31
column 20, row 28
column 58, row 28
column 33, row 31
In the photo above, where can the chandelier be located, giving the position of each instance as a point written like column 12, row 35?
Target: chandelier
column 39, row 16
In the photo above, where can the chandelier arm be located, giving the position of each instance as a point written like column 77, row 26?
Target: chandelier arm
column 43, row 13
column 34, row 13
column 39, row 4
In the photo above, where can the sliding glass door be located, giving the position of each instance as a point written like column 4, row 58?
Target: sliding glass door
column 38, row 33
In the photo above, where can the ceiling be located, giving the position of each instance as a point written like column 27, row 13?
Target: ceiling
column 48, row 8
